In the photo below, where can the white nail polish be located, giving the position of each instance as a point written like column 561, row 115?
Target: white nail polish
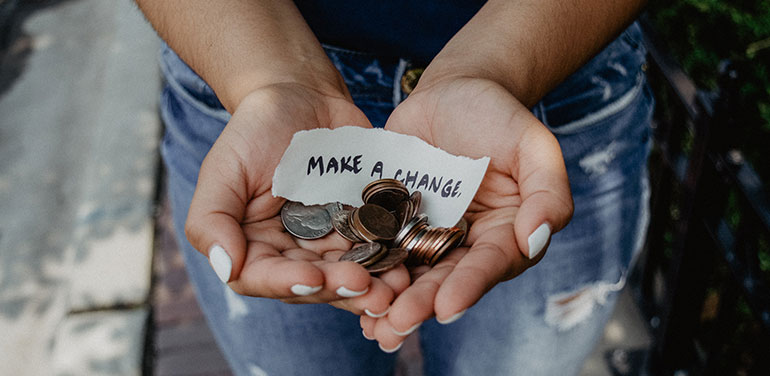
column 365, row 336
column 390, row 351
column 452, row 318
column 304, row 290
column 538, row 239
column 348, row 293
column 408, row 331
column 376, row 315
column 221, row 262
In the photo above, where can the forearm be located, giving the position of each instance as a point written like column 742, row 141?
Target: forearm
column 530, row 46
column 239, row 46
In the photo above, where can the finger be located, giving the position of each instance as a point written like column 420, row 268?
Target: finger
column 375, row 303
column 367, row 326
column 546, row 199
column 270, row 274
column 416, row 304
column 212, row 225
column 416, row 272
column 344, row 279
column 398, row 279
column 387, row 338
column 490, row 259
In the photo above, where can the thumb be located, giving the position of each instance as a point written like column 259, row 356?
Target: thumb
column 213, row 221
column 544, row 187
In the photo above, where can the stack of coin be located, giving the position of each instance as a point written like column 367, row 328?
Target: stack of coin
column 389, row 217
column 425, row 244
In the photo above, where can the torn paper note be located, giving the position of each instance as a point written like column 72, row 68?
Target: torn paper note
column 324, row 165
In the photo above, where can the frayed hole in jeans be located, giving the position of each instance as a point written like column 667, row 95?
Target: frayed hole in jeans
column 568, row 309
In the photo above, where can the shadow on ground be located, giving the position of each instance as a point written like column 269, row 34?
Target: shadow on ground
column 15, row 44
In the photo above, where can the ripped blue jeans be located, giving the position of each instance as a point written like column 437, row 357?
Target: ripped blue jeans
column 544, row 322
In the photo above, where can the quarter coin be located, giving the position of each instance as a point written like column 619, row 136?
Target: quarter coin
column 340, row 221
column 306, row 221
column 334, row 207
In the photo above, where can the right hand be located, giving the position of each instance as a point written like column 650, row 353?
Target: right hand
column 233, row 208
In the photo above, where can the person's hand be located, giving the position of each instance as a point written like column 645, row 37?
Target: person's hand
column 235, row 221
column 523, row 198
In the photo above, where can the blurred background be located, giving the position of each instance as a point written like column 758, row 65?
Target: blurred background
column 91, row 282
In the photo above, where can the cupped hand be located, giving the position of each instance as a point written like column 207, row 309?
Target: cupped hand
column 523, row 199
column 234, row 218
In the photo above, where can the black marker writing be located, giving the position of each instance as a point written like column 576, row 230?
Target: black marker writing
column 377, row 169
column 429, row 184
column 333, row 165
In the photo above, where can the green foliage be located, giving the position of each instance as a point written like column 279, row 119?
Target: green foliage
column 702, row 33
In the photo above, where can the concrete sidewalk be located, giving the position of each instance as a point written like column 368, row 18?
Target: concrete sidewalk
column 79, row 133
column 78, row 162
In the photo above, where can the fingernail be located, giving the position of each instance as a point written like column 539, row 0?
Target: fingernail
column 538, row 239
column 348, row 293
column 408, row 331
column 390, row 351
column 376, row 315
column 365, row 336
column 304, row 290
column 452, row 318
column 221, row 262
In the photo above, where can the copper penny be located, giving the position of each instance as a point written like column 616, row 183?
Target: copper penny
column 377, row 221
column 404, row 212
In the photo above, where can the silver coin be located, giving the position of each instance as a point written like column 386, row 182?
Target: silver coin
column 340, row 221
column 405, row 230
column 334, row 207
column 306, row 221
column 362, row 253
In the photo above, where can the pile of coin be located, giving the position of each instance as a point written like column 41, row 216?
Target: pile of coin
column 426, row 245
column 388, row 224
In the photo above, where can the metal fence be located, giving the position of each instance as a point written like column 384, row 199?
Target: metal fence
column 703, row 283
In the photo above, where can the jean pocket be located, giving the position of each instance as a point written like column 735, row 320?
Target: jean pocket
column 368, row 76
column 188, row 86
column 607, row 83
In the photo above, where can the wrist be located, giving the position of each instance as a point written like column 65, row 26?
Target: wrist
column 449, row 68
column 319, row 78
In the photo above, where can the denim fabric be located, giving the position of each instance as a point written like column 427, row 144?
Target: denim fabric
column 544, row 322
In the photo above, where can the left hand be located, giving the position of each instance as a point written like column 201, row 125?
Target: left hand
column 525, row 188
